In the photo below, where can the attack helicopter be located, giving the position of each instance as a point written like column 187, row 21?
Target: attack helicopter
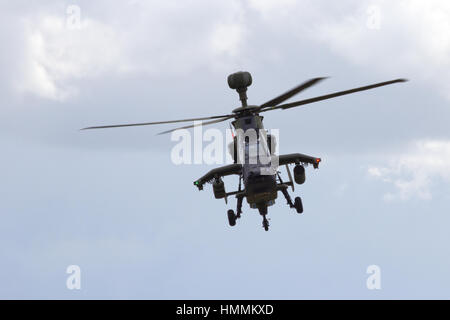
column 253, row 150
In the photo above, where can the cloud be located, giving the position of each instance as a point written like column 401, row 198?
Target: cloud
column 402, row 37
column 226, row 38
column 56, row 54
column 413, row 172
column 142, row 37
column 409, row 38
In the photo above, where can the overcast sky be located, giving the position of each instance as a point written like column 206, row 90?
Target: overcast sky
column 113, row 203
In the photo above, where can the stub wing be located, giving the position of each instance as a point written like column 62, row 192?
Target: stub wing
column 298, row 158
column 218, row 172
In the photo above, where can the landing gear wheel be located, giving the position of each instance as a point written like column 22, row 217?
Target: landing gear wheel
column 231, row 218
column 266, row 224
column 298, row 204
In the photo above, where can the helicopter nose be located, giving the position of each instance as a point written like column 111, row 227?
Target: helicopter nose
column 257, row 177
column 258, row 183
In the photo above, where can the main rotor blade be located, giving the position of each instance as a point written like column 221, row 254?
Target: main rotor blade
column 332, row 95
column 291, row 93
column 158, row 122
column 196, row 125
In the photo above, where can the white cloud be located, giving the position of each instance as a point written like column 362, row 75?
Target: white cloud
column 151, row 37
column 56, row 54
column 142, row 38
column 271, row 9
column 411, row 39
column 406, row 38
column 414, row 171
column 226, row 38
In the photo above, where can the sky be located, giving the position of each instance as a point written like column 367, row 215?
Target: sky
column 113, row 203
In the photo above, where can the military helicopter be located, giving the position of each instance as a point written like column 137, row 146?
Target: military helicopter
column 253, row 154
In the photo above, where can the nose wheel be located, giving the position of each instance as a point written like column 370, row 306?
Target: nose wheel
column 265, row 223
column 263, row 211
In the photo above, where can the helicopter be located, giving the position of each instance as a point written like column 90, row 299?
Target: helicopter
column 253, row 150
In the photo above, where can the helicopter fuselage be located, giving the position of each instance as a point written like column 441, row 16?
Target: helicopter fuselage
column 258, row 175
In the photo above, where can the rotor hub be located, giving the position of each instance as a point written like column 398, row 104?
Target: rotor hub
column 245, row 109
